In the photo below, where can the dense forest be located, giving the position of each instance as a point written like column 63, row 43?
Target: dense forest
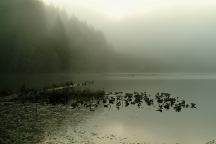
column 36, row 38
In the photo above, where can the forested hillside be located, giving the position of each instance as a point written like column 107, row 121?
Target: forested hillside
column 38, row 38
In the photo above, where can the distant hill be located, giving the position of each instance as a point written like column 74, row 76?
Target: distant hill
column 37, row 38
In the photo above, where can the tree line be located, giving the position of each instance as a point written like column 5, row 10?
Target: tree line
column 38, row 38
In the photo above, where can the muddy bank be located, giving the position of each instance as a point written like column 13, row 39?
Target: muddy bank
column 24, row 124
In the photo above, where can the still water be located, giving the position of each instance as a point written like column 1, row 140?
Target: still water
column 187, row 127
column 195, row 126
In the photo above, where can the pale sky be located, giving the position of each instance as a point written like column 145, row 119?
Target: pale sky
column 121, row 9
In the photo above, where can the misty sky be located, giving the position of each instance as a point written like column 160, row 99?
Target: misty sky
column 173, row 32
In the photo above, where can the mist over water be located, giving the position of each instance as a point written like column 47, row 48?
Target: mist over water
column 161, row 36
column 124, row 46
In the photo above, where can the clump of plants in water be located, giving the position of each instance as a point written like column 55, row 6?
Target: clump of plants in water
column 55, row 94
column 70, row 93
column 160, row 102
column 6, row 92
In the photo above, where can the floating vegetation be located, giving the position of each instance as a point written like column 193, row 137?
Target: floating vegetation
column 70, row 93
column 160, row 101
column 211, row 142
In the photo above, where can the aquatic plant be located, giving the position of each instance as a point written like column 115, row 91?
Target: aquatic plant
column 78, row 97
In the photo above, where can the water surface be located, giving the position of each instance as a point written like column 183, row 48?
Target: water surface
column 145, row 125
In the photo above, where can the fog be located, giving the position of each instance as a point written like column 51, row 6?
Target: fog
column 107, row 71
column 169, row 36
column 107, row 36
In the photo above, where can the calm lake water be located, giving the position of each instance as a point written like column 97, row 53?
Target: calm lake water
column 145, row 125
